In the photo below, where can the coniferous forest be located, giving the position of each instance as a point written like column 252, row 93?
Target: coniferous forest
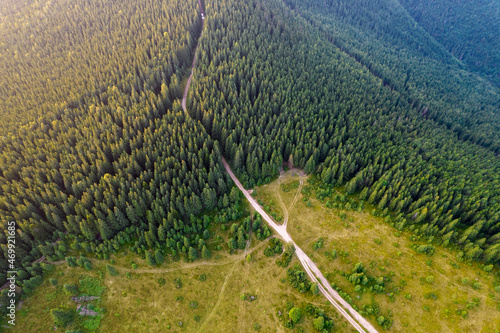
column 291, row 93
column 377, row 97
column 120, row 153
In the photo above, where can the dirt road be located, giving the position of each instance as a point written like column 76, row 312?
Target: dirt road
column 356, row 320
column 361, row 325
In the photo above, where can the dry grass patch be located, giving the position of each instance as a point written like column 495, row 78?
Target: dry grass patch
column 446, row 295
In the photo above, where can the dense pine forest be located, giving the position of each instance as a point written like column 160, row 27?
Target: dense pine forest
column 385, row 39
column 455, row 25
column 56, row 55
column 96, row 148
column 290, row 93
column 121, row 157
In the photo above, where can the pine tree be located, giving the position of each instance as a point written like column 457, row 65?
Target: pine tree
column 206, row 234
column 158, row 257
column 150, row 259
column 232, row 244
column 105, row 230
column 241, row 239
column 162, row 234
column 192, row 254
column 310, row 165
column 150, row 239
column 209, row 198
column 121, row 219
column 234, row 196
column 225, row 201
column 205, row 253
column 111, row 270
column 131, row 214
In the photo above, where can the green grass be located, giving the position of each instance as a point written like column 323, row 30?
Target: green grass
column 91, row 286
column 146, row 299
column 437, row 304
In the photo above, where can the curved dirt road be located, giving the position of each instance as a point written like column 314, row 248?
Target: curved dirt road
column 356, row 320
column 359, row 323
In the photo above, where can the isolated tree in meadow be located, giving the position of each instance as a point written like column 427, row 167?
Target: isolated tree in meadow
column 111, row 270
column 294, row 314
column 62, row 317
column 319, row 323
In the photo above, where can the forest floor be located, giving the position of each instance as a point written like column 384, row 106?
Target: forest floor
column 458, row 296
column 139, row 300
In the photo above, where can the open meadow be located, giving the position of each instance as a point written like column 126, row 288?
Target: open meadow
column 240, row 292
column 413, row 285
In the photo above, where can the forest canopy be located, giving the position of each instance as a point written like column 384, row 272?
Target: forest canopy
column 95, row 144
column 292, row 94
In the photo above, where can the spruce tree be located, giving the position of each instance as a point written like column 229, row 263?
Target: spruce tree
column 158, row 257
column 205, row 252
column 150, row 259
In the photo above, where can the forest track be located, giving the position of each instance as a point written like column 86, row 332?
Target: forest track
column 307, row 263
column 356, row 320
column 219, row 298
column 227, row 279
column 286, row 211
column 192, row 265
column 188, row 83
column 295, row 198
column 282, row 204
column 241, row 305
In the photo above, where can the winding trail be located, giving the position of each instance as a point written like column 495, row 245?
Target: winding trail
column 295, row 198
column 229, row 275
column 219, row 298
column 282, row 204
column 188, row 83
column 356, row 320
column 185, row 266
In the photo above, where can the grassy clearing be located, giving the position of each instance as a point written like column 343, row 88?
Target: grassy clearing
column 143, row 302
column 421, row 293
column 35, row 316
column 240, row 292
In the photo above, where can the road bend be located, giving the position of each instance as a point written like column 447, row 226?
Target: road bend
column 356, row 320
